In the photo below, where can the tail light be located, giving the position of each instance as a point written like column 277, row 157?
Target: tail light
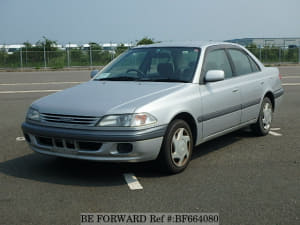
column 280, row 77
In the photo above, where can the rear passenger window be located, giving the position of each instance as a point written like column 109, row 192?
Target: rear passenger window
column 241, row 62
column 217, row 60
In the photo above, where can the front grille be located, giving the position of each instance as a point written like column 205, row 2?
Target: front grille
column 69, row 119
column 68, row 144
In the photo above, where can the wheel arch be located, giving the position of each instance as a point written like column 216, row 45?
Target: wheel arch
column 270, row 95
column 189, row 119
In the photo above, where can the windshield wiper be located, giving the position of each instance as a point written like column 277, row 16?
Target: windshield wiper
column 124, row 78
column 169, row 80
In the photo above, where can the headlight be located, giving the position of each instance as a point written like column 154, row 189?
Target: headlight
column 33, row 114
column 127, row 120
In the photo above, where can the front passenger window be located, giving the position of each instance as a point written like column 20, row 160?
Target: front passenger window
column 217, row 60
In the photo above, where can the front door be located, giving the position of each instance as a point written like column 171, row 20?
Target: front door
column 221, row 100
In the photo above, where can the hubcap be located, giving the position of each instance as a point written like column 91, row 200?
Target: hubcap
column 267, row 116
column 180, row 147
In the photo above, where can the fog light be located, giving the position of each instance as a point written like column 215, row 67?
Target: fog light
column 27, row 138
column 124, row 147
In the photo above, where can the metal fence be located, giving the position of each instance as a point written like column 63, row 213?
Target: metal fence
column 55, row 59
column 79, row 57
column 276, row 55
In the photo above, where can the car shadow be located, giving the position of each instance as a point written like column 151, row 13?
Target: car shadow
column 49, row 169
column 87, row 173
column 220, row 142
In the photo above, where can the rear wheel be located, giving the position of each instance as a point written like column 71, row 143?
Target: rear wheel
column 177, row 147
column 263, row 124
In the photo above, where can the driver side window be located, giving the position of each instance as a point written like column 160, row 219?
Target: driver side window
column 132, row 61
column 217, row 60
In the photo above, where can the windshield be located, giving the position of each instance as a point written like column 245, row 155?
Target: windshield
column 166, row 64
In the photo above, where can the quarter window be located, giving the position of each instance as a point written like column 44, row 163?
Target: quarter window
column 241, row 62
column 217, row 60
column 254, row 66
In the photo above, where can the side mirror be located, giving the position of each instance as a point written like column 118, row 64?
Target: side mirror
column 93, row 73
column 214, row 75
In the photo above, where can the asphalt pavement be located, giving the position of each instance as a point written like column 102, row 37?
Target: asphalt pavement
column 244, row 178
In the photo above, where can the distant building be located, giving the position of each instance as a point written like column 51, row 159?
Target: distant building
column 85, row 47
column 105, row 46
column 262, row 42
column 10, row 49
column 109, row 46
column 71, row 46
column 59, row 46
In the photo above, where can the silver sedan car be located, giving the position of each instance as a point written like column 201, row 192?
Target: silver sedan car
column 157, row 102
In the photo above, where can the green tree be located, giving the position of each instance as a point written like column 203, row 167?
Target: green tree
column 253, row 49
column 27, row 45
column 95, row 46
column 55, row 58
column 79, row 57
column 120, row 49
column 3, row 56
column 270, row 54
column 47, row 43
column 145, row 41
column 292, row 55
column 99, row 56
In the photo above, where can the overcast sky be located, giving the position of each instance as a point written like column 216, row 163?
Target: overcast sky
column 81, row 21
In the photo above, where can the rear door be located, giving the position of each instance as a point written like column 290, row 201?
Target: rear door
column 221, row 100
column 250, row 80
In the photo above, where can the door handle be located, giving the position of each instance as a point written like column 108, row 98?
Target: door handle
column 262, row 83
column 235, row 90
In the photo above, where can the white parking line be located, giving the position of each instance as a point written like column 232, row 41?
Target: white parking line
column 20, row 139
column 274, row 133
column 291, row 84
column 132, row 181
column 275, row 128
column 30, row 91
column 60, row 82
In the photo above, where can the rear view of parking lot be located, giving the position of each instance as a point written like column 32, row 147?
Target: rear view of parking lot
column 244, row 178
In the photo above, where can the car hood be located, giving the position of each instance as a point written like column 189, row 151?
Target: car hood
column 98, row 98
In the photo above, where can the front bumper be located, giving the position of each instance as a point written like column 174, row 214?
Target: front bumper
column 97, row 145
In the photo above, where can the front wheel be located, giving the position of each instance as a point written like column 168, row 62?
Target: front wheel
column 177, row 147
column 263, row 124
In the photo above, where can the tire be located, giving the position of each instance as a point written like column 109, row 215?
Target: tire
column 263, row 124
column 177, row 147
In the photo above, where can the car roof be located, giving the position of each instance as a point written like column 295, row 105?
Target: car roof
column 197, row 44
